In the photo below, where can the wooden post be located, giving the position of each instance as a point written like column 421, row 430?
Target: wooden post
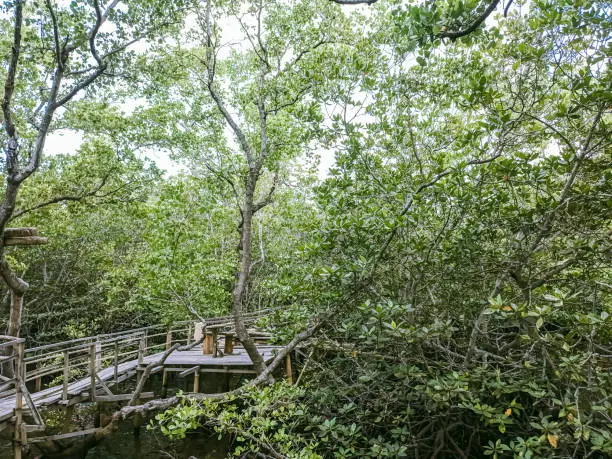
column 228, row 349
column 141, row 350
column 189, row 335
column 215, row 344
column 288, row 369
column 38, row 384
column 66, row 376
column 207, row 347
column 98, row 354
column 19, row 431
column 169, row 339
column 141, row 347
column 196, row 381
column 223, row 379
column 92, row 371
column 164, row 383
column 116, row 363
column 98, row 415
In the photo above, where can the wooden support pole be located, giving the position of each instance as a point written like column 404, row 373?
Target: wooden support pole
column 98, row 354
column 139, row 369
column 207, row 347
column 92, row 371
column 226, row 380
column 169, row 339
column 97, row 415
column 228, row 349
column 66, row 376
column 164, row 390
column 196, row 380
column 141, row 350
column 116, row 363
column 19, row 430
column 38, row 384
column 215, row 343
column 288, row 369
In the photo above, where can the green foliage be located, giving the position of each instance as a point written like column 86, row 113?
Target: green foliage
column 458, row 249
column 259, row 420
column 480, row 170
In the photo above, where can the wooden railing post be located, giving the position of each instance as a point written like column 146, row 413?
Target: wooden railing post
column 98, row 354
column 189, row 335
column 66, row 376
column 92, row 371
column 38, row 380
column 141, row 348
column 207, row 346
column 18, row 378
column 196, row 380
column 116, row 362
column 164, row 390
column 169, row 339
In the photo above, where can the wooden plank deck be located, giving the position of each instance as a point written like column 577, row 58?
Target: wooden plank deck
column 191, row 358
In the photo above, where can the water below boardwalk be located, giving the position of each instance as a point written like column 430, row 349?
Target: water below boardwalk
column 153, row 445
column 124, row 444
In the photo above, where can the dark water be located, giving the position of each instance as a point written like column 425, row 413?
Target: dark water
column 128, row 442
column 125, row 444
column 152, row 444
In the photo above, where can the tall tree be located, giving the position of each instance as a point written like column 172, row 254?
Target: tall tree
column 262, row 93
column 57, row 53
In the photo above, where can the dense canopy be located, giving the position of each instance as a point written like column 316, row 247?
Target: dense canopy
column 421, row 189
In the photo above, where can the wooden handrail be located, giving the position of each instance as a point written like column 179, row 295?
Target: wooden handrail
column 77, row 354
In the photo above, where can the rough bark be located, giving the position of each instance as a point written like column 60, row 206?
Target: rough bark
column 246, row 235
column 14, row 326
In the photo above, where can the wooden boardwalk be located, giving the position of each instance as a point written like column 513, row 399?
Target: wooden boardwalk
column 239, row 360
column 86, row 369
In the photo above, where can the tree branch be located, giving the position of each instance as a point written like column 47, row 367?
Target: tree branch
column 15, row 283
column 354, row 2
column 453, row 35
column 64, row 198
column 261, row 204
column 9, row 85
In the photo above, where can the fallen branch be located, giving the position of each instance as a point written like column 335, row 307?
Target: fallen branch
column 166, row 403
column 147, row 372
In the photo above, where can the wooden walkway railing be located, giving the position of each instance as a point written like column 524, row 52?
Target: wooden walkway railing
column 12, row 350
column 53, row 369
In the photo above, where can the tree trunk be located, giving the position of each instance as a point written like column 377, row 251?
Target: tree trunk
column 238, row 296
column 14, row 325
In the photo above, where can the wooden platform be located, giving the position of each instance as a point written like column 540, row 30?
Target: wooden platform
column 178, row 360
